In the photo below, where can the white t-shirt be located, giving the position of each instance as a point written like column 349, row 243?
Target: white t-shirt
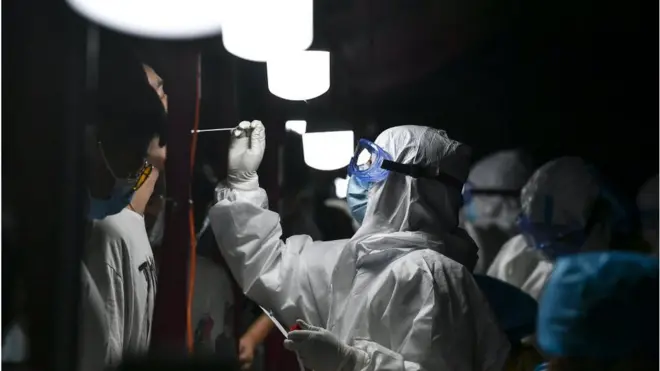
column 122, row 276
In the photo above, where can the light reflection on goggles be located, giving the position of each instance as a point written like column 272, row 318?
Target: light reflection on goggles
column 372, row 164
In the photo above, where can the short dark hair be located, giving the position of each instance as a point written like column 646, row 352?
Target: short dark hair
column 130, row 127
column 129, row 112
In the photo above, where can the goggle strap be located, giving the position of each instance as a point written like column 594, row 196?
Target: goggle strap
column 417, row 171
column 496, row 192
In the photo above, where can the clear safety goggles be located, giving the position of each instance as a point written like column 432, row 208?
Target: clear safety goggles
column 372, row 164
column 470, row 191
column 552, row 240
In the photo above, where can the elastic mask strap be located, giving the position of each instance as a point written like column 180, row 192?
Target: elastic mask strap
column 417, row 171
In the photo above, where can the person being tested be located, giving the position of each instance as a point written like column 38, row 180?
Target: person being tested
column 399, row 295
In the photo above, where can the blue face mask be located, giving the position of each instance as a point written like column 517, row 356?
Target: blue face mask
column 120, row 197
column 356, row 197
column 470, row 212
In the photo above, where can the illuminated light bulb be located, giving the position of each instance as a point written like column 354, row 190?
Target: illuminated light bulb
column 329, row 150
column 259, row 30
column 297, row 126
column 341, row 187
column 299, row 76
column 155, row 19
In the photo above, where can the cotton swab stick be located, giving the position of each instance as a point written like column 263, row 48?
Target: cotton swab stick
column 207, row 130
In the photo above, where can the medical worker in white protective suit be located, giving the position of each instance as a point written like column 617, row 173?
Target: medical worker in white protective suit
column 647, row 204
column 399, row 295
column 492, row 202
column 565, row 209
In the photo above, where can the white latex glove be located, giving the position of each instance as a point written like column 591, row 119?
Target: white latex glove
column 246, row 150
column 320, row 350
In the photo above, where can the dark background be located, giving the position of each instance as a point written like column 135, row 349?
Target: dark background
column 554, row 78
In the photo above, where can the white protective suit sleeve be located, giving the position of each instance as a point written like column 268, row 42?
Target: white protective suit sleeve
column 285, row 277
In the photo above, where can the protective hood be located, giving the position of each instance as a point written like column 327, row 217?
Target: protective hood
column 419, row 209
column 563, row 192
column 491, row 219
column 504, row 170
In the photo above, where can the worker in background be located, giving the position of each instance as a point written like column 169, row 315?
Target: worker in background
column 123, row 151
column 400, row 294
column 492, row 202
column 566, row 208
column 599, row 311
column 647, row 204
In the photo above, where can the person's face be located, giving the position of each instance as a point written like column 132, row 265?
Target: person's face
column 156, row 83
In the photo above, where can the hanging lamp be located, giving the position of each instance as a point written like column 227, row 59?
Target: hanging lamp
column 299, row 76
column 258, row 30
column 155, row 19
column 330, row 150
column 296, row 126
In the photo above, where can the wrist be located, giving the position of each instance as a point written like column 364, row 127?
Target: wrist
column 244, row 181
column 357, row 359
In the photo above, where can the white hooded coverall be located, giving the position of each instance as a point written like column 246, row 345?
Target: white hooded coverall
column 565, row 191
column 401, row 289
column 492, row 218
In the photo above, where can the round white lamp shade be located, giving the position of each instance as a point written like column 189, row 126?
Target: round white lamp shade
column 155, row 19
column 330, row 150
column 297, row 126
column 259, row 30
column 299, row 76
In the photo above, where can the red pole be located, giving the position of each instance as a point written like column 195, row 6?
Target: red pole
column 170, row 322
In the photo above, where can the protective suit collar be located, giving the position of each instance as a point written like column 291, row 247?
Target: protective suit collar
column 424, row 208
